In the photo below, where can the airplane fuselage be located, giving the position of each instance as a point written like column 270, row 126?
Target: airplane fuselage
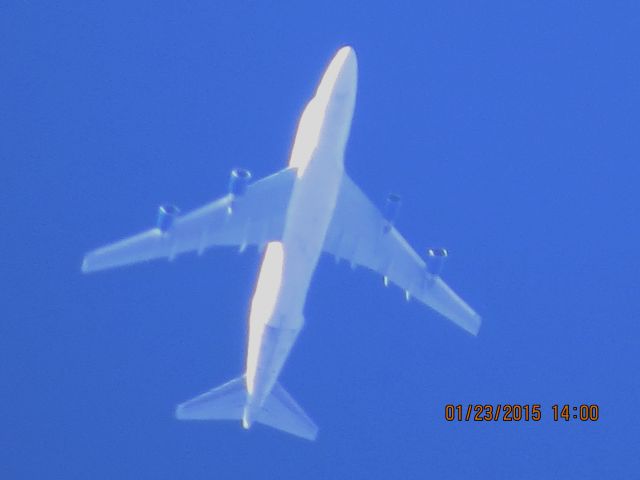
column 276, row 315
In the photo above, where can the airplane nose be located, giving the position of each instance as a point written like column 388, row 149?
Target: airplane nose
column 351, row 60
column 348, row 53
column 342, row 74
column 346, row 58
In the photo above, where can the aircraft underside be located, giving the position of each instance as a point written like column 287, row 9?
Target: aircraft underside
column 296, row 214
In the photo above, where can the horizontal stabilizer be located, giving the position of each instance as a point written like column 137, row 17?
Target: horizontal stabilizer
column 228, row 402
column 225, row 402
column 282, row 412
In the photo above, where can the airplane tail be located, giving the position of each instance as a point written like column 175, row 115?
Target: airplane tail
column 228, row 402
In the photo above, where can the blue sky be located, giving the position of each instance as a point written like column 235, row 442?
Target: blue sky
column 509, row 128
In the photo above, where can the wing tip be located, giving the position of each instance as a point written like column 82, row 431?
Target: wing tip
column 86, row 266
column 475, row 324
column 91, row 263
column 180, row 413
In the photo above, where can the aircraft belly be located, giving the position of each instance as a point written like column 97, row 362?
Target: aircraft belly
column 308, row 219
column 275, row 345
column 272, row 335
column 318, row 156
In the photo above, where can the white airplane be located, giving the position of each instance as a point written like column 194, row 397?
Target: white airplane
column 310, row 207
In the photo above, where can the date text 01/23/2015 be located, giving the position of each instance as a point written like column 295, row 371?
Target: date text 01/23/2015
column 513, row 412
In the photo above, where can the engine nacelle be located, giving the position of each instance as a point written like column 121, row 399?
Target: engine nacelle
column 435, row 260
column 391, row 209
column 166, row 215
column 238, row 181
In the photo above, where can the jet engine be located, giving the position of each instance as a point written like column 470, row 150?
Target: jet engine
column 391, row 209
column 238, row 181
column 166, row 216
column 435, row 260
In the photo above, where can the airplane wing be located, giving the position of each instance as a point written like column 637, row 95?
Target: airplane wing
column 253, row 218
column 360, row 234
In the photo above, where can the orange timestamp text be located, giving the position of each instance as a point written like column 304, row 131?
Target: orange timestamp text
column 515, row 412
